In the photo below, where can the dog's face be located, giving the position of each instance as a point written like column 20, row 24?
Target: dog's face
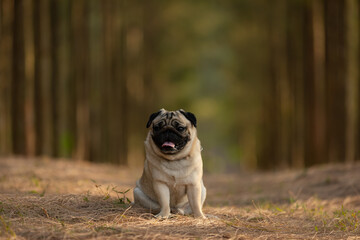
column 171, row 131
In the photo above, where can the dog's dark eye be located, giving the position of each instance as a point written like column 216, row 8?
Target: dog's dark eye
column 180, row 129
column 156, row 128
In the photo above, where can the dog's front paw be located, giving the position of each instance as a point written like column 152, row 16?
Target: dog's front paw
column 162, row 215
column 200, row 216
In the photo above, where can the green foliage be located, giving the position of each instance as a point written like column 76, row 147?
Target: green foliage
column 5, row 227
column 346, row 220
column 37, row 183
column 35, row 180
column 66, row 144
column 86, row 197
column 121, row 198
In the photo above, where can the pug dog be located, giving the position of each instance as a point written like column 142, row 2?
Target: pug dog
column 172, row 177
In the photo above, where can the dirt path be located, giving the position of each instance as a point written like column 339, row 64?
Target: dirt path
column 43, row 199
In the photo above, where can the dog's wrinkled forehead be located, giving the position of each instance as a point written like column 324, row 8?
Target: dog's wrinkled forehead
column 168, row 116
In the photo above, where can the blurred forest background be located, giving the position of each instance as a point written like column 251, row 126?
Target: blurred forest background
column 274, row 84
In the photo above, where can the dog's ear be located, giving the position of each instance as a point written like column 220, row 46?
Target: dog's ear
column 190, row 116
column 151, row 118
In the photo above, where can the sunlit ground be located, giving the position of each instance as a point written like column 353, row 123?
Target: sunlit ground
column 63, row 199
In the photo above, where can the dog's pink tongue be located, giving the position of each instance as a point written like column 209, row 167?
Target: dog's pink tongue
column 168, row 144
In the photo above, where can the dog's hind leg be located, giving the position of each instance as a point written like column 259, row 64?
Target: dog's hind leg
column 141, row 198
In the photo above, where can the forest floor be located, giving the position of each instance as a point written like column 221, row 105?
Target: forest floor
column 45, row 199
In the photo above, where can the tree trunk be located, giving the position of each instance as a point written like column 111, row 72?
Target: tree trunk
column 54, row 76
column 81, row 56
column 65, row 87
column 335, row 73
column 6, row 60
column 122, row 79
column 134, row 76
column 96, row 90
column 319, row 109
column 269, row 155
column 283, row 84
column 43, row 73
column 29, row 79
column 295, row 52
column 108, row 144
column 352, row 79
column 18, row 81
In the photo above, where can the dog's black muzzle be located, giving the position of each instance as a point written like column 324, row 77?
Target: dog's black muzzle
column 169, row 141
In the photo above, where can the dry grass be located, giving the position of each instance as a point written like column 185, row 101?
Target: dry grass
column 43, row 199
